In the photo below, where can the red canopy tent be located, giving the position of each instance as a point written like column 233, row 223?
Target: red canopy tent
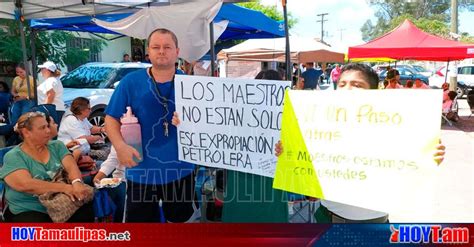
column 407, row 42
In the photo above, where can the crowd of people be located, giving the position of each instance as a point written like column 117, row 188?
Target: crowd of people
column 159, row 187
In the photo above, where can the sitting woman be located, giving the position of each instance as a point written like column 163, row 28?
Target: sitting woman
column 29, row 168
column 450, row 106
column 75, row 127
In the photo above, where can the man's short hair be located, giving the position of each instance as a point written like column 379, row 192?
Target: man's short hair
column 164, row 31
column 370, row 75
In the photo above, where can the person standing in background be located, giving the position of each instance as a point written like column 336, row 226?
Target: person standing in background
column 21, row 100
column 311, row 77
column 50, row 91
column 335, row 73
column 126, row 58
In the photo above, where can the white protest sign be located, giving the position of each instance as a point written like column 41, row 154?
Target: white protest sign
column 229, row 123
column 368, row 148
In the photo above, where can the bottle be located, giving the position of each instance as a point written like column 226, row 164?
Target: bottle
column 131, row 132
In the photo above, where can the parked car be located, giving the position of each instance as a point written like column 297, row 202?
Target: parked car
column 96, row 81
column 379, row 68
column 465, row 77
column 422, row 70
column 406, row 74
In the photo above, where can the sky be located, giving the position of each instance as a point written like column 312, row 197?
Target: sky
column 345, row 17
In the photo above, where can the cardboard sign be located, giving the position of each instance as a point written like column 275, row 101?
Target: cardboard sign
column 229, row 123
column 368, row 148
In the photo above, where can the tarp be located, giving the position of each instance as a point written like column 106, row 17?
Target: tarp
column 243, row 23
column 190, row 22
column 407, row 42
column 66, row 8
column 302, row 50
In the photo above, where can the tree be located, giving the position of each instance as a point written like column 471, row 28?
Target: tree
column 49, row 45
column 430, row 16
column 270, row 11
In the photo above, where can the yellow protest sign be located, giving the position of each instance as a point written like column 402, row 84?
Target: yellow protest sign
column 293, row 173
column 367, row 148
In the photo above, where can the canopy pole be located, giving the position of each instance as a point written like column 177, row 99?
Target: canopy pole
column 213, row 52
column 287, row 46
column 33, row 61
column 18, row 6
column 446, row 74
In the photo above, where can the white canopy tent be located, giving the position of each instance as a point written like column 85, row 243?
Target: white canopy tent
column 302, row 50
column 189, row 21
column 31, row 9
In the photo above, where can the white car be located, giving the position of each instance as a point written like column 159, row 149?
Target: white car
column 465, row 78
column 96, row 81
column 466, row 75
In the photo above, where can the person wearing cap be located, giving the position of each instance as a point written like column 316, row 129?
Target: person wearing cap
column 50, row 91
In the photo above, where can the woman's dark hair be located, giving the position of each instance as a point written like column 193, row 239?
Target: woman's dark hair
column 21, row 66
column 269, row 75
column 452, row 95
column 79, row 104
column 5, row 86
column 369, row 74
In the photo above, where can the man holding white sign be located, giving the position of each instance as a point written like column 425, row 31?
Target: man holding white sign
column 338, row 170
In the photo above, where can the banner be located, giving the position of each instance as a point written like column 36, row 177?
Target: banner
column 368, row 148
column 229, row 123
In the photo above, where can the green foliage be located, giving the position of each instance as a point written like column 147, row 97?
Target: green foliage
column 49, row 45
column 429, row 15
column 466, row 38
column 270, row 11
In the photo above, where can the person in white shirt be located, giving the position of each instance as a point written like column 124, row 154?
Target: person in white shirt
column 50, row 91
column 111, row 164
column 117, row 194
column 77, row 127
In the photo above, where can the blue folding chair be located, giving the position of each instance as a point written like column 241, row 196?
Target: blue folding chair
column 3, row 151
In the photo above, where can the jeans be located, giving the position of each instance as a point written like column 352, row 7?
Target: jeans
column 118, row 196
column 19, row 108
